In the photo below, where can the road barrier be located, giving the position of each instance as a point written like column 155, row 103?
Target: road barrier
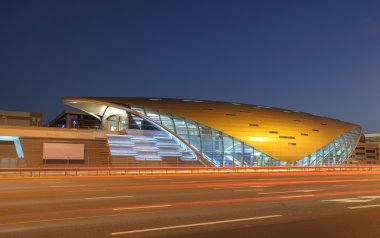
column 111, row 171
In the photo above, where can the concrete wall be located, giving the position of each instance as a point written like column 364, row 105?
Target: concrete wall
column 20, row 118
column 51, row 132
column 95, row 152
column 33, row 138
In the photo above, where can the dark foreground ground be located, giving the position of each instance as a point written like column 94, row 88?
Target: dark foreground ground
column 273, row 205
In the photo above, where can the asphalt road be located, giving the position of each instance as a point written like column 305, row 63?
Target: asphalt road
column 246, row 205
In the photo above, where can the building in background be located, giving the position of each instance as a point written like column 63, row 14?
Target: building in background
column 367, row 150
column 14, row 118
column 10, row 146
column 75, row 119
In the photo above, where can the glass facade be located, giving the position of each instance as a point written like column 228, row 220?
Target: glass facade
column 335, row 152
column 145, row 141
column 216, row 147
column 115, row 119
column 221, row 150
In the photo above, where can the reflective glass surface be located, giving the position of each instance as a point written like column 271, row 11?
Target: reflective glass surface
column 220, row 149
column 335, row 152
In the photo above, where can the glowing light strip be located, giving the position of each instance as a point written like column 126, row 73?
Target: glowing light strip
column 16, row 141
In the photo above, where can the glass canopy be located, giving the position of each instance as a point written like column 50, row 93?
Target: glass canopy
column 223, row 150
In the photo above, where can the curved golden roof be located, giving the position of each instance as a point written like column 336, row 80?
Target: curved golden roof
column 282, row 134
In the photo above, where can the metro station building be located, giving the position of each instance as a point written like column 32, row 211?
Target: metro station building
column 159, row 131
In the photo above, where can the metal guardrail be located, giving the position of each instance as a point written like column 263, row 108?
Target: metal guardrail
column 101, row 171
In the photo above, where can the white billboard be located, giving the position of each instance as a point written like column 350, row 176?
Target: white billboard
column 63, row 151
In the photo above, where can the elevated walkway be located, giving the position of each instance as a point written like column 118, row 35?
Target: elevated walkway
column 51, row 132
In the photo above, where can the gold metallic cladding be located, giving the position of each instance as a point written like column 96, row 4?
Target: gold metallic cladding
column 238, row 126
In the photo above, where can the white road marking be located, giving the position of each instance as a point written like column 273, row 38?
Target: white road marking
column 295, row 191
column 348, row 200
column 113, row 197
column 368, row 206
column 67, row 186
column 370, row 197
column 298, row 196
column 144, row 207
column 357, row 199
column 86, row 190
column 193, row 225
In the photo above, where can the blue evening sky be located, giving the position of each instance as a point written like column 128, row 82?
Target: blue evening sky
column 321, row 57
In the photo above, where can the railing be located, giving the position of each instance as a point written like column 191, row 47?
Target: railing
column 101, row 171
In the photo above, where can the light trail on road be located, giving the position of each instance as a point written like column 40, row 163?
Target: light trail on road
column 107, row 205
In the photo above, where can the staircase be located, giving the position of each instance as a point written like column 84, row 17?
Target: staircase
column 148, row 145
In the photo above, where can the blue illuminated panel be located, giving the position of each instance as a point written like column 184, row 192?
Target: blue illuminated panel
column 16, row 141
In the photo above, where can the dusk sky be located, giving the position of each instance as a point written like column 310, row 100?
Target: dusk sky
column 321, row 57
